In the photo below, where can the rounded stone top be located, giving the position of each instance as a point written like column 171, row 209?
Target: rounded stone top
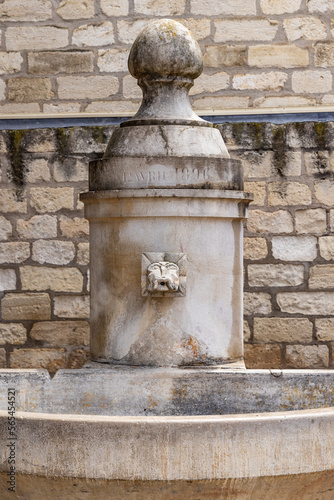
column 165, row 50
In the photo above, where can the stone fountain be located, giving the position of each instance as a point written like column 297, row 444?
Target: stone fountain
column 166, row 407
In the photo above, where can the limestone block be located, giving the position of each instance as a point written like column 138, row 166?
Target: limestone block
column 94, row 35
column 257, row 164
column 307, row 303
column 262, row 356
column 114, row 106
column 275, row 80
column 29, row 89
column 288, row 193
column 72, row 228
column 160, row 7
column 51, row 63
column 311, row 221
column 247, row 332
column 3, row 363
column 37, row 170
column 36, row 38
column 41, row 141
column 51, row 199
column 10, row 62
column 71, row 170
column 318, row 162
column 62, row 107
column 311, row 81
column 200, row 28
column 130, row 88
column 220, row 103
column 14, row 252
column 303, row 248
column 217, row 56
column 310, row 28
column 129, row 30
column 77, row 358
column 325, row 329
column 331, row 219
column 270, row 222
column 39, row 226
column 226, row 8
column 282, row 330
column 5, row 228
column 53, row 252
column 327, row 100
column 61, row 333
column 2, row 90
column 210, row 83
column 76, row 9
column 279, row 56
column 20, row 10
column 7, row 279
column 71, row 306
column 257, row 303
column 83, row 254
column 29, row 306
column 113, row 60
column 324, row 191
column 240, row 30
column 283, row 101
column 275, row 275
column 321, row 276
column 115, row 8
column 312, row 356
column 12, row 333
column 51, row 359
column 10, row 201
column 37, row 278
column 326, row 245
column 320, row 5
column 279, row 6
column 86, row 87
column 255, row 248
column 258, row 189
column 15, row 108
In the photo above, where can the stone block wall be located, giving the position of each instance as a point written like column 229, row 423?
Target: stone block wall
column 289, row 244
column 71, row 55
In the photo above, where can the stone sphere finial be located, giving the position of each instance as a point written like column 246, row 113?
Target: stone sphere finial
column 165, row 49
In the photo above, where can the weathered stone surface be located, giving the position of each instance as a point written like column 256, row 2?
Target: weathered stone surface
column 12, row 333
column 115, row 8
column 7, row 279
column 78, row 358
column 76, row 9
column 3, row 363
column 19, row 108
column 320, row 5
column 214, row 103
column 312, row 81
column 21, row 306
column 53, row 252
column 275, row 80
column 310, row 28
column 61, row 333
column 218, row 56
column 280, row 56
column 87, row 87
column 36, row 38
column 318, row 162
column 71, row 170
column 51, row 63
column 37, row 170
column 323, row 56
column 282, row 330
column 247, row 332
column 331, row 219
column 200, row 28
column 257, row 164
column 313, row 356
column 29, row 89
column 75, row 227
column 39, row 226
column 113, row 60
column 5, row 228
column 14, row 252
column 283, row 101
column 258, row 189
column 130, row 88
column 325, row 329
column 290, row 248
column 326, row 245
column 62, row 107
column 10, row 201
column 307, row 303
column 20, row 10
column 94, row 35
column 210, row 83
column 257, row 303
column 270, row 222
column 288, row 193
column 275, row 274
column 51, row 199
column 255, row 248
column 262, row 356
column 321, row 276
column 279, row 6
column 10, row 62
column 311, row 221
column 41, row 141
column 226, row 8
column 51, row 359
column 83, row 254
column 74, row 306
column 324, row 192
column 240, row 30
column 38, row 278
column 160, row 7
